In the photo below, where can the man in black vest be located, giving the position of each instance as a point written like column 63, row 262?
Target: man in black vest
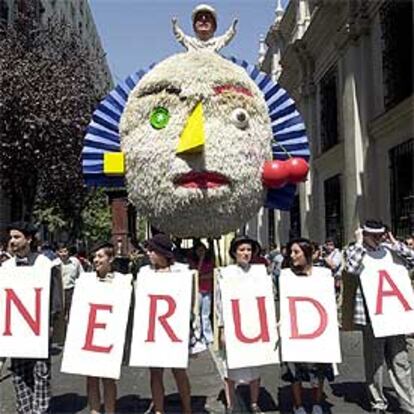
column 31, row 377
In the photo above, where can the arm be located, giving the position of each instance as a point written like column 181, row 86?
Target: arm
column 335, row 263
column 219, row 309
column 354, row 255
column 79, row 268
column 404, row 252
column 178, row 33
column 227, row 37
column 56, row 292
column 194, row 302
column 218, row 302
column 353, row 259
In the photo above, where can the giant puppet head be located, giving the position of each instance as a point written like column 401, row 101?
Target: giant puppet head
column 195, row 133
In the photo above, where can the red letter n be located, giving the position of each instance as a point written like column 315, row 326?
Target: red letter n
column 393, row 292
column 323, row 318
column 92, row 325
column 34, row 323
column 264, row 330
column 163, row 318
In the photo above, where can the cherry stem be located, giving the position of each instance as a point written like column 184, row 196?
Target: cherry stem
column 283, row 148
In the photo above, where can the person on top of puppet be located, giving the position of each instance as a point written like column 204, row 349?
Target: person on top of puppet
column 204, row 19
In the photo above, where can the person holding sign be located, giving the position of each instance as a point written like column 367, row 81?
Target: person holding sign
column 161, row 256
column 104, row 254
column 300, row 252
column 241, row 251
column 202, row 260
column 31, row 377
column 368, row 251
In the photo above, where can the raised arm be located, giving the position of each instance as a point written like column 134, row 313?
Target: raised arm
column 227, row 37
column 178, row 33
column 402, row 251
column 354, row 255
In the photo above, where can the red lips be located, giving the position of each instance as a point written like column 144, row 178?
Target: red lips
column 202, row 180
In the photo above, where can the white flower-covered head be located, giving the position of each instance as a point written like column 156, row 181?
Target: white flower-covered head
column 195, row 133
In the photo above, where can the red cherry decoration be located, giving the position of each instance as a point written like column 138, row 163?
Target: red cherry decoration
column 275, row 174
column 298, row 169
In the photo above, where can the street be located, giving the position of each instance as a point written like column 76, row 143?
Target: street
column 344, row 396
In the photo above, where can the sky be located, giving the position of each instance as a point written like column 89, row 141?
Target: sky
column 137, row 33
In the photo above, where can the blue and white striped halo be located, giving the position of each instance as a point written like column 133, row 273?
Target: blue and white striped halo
column 289, row 134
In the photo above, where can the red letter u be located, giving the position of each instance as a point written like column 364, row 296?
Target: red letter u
column 264, row 330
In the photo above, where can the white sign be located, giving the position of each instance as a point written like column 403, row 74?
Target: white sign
column 161, row 319
column 96, row 333
column 388, row 294
column 24, row 310
column 309, row 324
column 249, row 317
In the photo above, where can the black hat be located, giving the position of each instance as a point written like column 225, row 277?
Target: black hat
column 374, row 226
column 237, row 241
column 162, row 244
column 101, row 245
column 29, row 230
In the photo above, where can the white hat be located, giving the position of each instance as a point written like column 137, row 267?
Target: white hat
column 204, row 8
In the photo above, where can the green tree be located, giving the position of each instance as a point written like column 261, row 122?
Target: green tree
column 96, row 217
column 48, row 93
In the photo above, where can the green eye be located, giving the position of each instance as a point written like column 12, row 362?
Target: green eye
column 159, row 117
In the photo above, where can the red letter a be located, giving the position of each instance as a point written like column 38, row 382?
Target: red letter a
column 393, row 292
column 163, row 318
column 264, row 330
column 34, row 323
column 294, row 318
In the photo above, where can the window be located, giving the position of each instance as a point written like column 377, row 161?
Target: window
column 333, row 209
column 295, row 224
column 402, row 188
column 329, row 111
column 397, row 45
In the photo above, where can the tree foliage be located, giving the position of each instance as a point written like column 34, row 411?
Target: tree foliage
column 48, row 92
column 96, row 217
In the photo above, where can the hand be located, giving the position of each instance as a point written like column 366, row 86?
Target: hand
column 391, row 238
column 234, row 24
column 174, row 20
column 222, row 339
column 329, row 263
column 359, row 236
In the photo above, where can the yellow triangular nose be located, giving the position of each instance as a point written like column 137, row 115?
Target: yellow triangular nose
column 192, row 137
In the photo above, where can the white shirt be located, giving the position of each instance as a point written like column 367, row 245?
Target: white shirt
column 70, row 271
column 193, row 43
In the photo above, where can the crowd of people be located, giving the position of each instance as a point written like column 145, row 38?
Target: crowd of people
column 302, row 257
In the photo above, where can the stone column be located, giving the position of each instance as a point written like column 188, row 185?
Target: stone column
column 354, row 150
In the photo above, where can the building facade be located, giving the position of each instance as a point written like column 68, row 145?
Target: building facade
column 348, row 65
column 76, row 14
